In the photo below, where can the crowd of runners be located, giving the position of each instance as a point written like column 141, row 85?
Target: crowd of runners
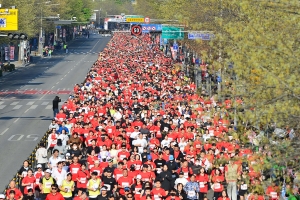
column 137, row 129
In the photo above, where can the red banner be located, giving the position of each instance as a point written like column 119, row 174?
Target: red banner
column 12, row 53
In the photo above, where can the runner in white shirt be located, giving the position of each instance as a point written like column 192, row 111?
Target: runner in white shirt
column 59, row 174
column 54, row 159
column 140, row 142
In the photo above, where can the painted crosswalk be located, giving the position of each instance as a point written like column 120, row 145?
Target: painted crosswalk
column 17, row 107
column 34, row 92
column 32, row 105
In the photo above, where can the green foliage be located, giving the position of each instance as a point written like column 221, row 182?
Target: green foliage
column 80, row 9
column 149, row 8
column 31, row 12
column 261, row 38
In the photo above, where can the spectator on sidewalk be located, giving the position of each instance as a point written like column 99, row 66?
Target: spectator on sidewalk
column 49, row 53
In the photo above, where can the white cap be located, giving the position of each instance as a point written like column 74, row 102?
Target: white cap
column 2, row 196
column 138, row 176
column 39, row 166
column 48, row 171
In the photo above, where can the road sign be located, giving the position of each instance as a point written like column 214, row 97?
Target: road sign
column 135, row 20
column 172, row 32
column 202, row 36
column 151, row 27
column 147, row 20
column 136, row 30
column 8, row 19
column 58, row 27
column 175, row 47
column 134, row 16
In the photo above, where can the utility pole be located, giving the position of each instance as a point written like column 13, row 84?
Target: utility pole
column 40, row 49
column 41, row 38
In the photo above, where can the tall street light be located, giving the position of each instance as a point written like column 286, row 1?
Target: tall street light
column 41, row 39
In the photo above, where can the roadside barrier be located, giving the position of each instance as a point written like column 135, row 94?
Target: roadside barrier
column 31, row 160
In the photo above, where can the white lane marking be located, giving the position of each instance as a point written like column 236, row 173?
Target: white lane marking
column 2, row 106
column 45, row 103
column 57, row 82
column 49, row 107
column 30, row 103
column 26, row 111
column 14, row 103
column 4, row 131
column 17, row 107
column 43, row 95
column 61, row 78
column 1, row 102
column 33, row 107
column 16, row 120
column 52, row 87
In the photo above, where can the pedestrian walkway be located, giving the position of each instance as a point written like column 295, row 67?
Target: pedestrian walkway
column 28, row 104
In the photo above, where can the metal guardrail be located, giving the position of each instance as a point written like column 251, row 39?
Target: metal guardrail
column 31, row 160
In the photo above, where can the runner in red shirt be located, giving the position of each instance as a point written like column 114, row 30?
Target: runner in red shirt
column 18, row 193
column 82, row 177
column 157, row 192
column 124, row 181
column 54, row 195
column 74, row 168
column 28, row 181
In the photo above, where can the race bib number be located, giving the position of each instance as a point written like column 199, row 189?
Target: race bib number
column 125, row 184
column 118, row 176
column 82, row 180
column 158, row 170
column 30, row 186
column 68, row 188
column 217, row 186
column 95, row 186
column 108, row 186
column 156, row 197
column 191, row 193
column 273, row 195
column 201, row 184
column 137, row 190
column 48, row 185
column 186, row 174
column 244, row 187
column 24, row 173
column 75, row 170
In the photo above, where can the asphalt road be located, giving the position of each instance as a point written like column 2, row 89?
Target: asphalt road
column 26, row 100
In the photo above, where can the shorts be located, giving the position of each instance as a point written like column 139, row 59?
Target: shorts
column 243, row 192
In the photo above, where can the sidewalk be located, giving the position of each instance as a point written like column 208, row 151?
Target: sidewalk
column 35, row 59
column 19, row 65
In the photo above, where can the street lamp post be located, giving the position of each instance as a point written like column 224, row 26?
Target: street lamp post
column 41, row 38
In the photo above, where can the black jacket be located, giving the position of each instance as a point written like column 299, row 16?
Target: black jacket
column 179, row 157
column 182, row 193
column 55, row 102
column 166, row 178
